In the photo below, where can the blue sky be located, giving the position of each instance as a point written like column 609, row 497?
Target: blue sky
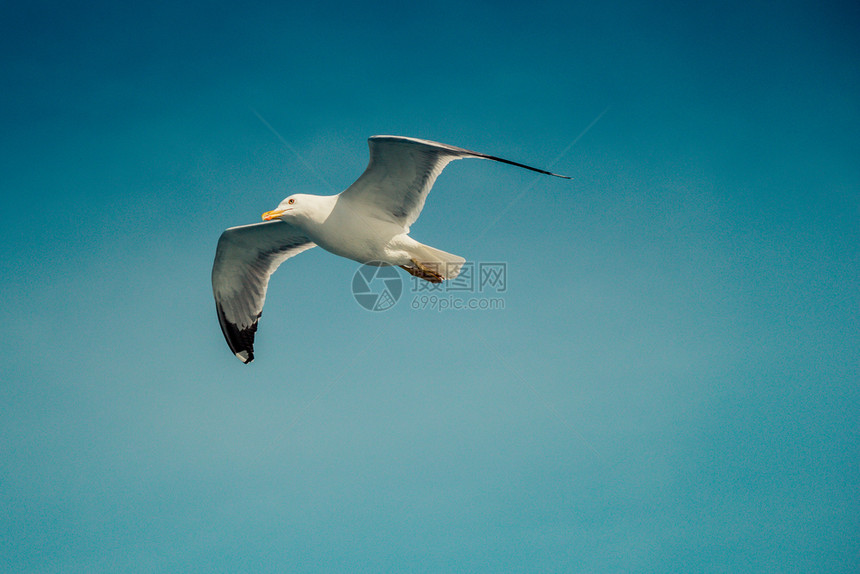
column 671, row 385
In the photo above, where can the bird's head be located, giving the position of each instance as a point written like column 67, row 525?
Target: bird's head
column 295, row 207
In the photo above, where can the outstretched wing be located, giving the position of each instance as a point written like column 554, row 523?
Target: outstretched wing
column 402, row 171
column 245, row 259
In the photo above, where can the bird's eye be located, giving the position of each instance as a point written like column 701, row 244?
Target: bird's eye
column 291, row 201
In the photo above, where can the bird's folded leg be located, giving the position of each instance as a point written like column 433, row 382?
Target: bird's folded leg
column 423, row 272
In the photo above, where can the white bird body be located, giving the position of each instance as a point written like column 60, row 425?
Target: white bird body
column 368, row 222
column 355, row 231
column 347, row 228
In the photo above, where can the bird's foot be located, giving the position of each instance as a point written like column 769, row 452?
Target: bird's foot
column 423, row 272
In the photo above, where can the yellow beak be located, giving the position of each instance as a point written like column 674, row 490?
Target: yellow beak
column 269, row 215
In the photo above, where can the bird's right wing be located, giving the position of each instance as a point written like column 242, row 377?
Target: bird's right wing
column 245, row 259
column 402, row 171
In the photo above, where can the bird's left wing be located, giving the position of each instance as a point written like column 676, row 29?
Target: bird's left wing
column 401, row 172
column 245, row 259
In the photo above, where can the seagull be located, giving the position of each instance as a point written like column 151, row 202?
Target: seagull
column 368, row 222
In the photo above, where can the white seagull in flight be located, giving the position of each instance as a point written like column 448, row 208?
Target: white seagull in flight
column 368, row 222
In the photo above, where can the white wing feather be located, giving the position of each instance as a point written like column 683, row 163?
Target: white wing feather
column 401, row 172
column 245, row 259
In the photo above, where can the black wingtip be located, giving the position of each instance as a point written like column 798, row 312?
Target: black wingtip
column 240, row 341
column 522, row 165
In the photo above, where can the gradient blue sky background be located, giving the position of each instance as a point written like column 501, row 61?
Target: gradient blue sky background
column 672, row 385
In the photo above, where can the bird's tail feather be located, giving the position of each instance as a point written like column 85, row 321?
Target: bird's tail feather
column 445, row 264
